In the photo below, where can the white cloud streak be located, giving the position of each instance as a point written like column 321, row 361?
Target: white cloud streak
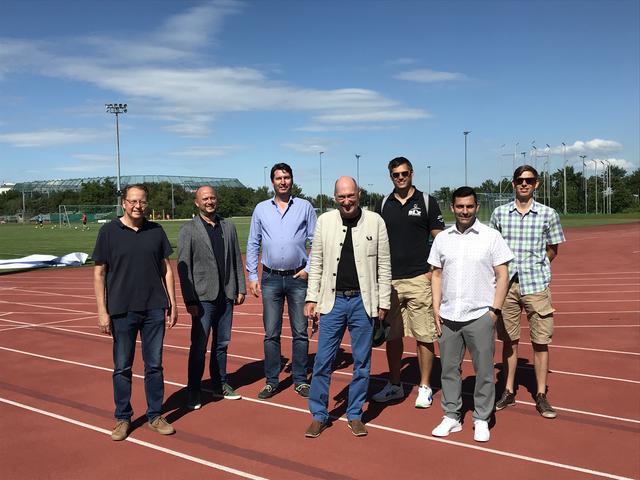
column 596, row 145
column 169, row 75
column 47, row 138
column 425, row 75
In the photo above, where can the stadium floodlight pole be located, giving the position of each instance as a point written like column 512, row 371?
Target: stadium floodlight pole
column 117, row 109
column 584, row 164
column 547, row 150
column 320, row 154
column 465, row 133
column 564, row 175
column 370, row 185
column 429, row 176
column 264, row 174
column 606, row 193
column 515, row 156
column 595, row 163
column 358, row 170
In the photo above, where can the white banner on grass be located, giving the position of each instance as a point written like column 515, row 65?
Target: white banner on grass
column 74, row 259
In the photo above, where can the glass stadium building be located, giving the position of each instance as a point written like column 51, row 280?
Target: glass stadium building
column 188, row 183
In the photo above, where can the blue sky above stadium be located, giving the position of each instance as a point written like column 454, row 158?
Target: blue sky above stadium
column 224, row 88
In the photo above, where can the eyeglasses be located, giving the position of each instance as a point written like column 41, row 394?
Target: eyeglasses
column 142, row 203
column 403, row 174
column 528, row 180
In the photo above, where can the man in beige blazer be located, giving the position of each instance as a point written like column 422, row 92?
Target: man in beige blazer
column 349, row 287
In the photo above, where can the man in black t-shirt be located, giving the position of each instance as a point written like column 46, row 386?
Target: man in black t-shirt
column 135, row 292
column 411, row 218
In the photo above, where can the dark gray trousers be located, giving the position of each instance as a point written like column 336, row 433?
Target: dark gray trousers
column 479, row 337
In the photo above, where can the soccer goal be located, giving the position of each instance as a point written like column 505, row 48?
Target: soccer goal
column 72, row 215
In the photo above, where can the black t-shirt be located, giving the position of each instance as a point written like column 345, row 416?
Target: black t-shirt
column 409, row 228
column 347, row 278
column 217, row 245
column 133, row 262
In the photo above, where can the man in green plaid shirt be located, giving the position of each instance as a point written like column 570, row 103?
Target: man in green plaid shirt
column 532, row 231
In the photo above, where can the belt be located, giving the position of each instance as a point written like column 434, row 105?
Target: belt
column 282, row 273
column 348, row 293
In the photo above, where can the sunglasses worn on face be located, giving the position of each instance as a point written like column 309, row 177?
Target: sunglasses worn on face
column 404, row 174
column 528, row 181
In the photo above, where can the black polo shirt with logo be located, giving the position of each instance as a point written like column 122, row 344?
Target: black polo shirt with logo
column 133, row 261
column 409, row 228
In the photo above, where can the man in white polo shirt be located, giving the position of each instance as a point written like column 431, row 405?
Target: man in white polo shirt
column 469, row 284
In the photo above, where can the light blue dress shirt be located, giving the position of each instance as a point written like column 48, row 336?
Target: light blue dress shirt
column 283, row 235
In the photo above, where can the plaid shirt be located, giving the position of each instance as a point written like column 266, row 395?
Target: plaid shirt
column 528, row 236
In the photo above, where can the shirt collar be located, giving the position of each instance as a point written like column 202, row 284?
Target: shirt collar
column 475, row 228
column 532, row 209
column 273, row 200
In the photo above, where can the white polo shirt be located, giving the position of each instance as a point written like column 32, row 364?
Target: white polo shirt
column 467, row 260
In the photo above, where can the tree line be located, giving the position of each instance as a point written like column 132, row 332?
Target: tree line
column 240, row 201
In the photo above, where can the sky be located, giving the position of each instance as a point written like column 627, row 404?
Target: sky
column 225, row 88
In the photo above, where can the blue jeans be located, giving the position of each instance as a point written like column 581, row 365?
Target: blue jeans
column 124, row 330
column 275, row 289
column 346, row 313
column 213, row 316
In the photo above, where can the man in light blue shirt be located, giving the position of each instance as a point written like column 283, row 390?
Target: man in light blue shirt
column 282, row 225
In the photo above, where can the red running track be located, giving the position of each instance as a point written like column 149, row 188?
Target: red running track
column 56, row 407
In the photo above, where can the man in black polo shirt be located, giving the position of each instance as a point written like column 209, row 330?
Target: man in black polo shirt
column 212, row 280
column 411, row 217
column 135, row 293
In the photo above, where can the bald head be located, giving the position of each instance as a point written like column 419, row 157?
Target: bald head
column 347, row 197
column 345, row 182
column 206, row 199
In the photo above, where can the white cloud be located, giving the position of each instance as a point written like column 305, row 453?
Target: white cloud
column 597, row 145
column 79, row 168
column 402, row 61
column 168, row 74
column 47, row 138
column 373, row 116
column 206, row 151
column 309, row 145
column 93, row 157
column 615, row 162
column 425, row 75
column 344, row 128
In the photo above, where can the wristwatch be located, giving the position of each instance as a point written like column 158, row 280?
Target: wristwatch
column 496, row 311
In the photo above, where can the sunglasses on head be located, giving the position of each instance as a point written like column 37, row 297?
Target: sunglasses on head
column 528, row 180
column 403, row 174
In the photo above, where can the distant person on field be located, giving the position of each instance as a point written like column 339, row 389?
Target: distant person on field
column 40, row 220
column 411, row 217
column 135, row 293
column 282, row 225
column 532, row 231
column 212, row 280
column 347, row 294
column 470, row 280
column 84, row 220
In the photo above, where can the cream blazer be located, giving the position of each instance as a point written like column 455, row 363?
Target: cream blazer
column 371, row 253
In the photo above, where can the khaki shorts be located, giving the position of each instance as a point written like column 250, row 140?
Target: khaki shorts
column 411, row 312
column 539, row 311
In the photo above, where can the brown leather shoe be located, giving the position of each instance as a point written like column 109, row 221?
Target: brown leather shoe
column 315, row 429
column 357, row 427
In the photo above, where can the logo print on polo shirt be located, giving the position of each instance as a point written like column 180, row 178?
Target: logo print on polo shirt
column 415, row 211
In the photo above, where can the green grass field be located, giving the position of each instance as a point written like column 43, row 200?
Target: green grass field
column 22, row 240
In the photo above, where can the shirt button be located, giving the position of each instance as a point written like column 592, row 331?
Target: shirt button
column 338, row 259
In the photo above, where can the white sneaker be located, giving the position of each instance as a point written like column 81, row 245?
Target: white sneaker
column 425, row 397
column 447, row 426
column 481, row 431
column 388, row 393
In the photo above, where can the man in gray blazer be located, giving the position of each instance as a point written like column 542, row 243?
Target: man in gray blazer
column 212, row 281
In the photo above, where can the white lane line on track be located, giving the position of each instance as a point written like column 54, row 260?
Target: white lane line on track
column 598, row 312
column 591, row 274
column 636, row 325
column 130, row 439
column 22, row 325
column 372, row 425
column 627, row 300
column 597, row 292
column 584, row 349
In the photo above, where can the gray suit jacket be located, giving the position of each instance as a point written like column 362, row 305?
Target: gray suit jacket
column 197, row 265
